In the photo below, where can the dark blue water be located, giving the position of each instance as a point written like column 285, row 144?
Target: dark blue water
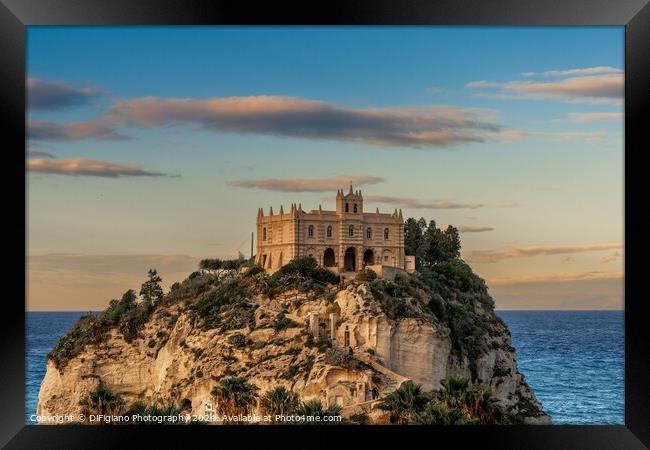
column 573, row 360
column 43, row 332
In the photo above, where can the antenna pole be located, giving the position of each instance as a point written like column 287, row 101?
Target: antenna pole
column 251, row 245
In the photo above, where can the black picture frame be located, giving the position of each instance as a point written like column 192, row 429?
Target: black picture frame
column 15, row 15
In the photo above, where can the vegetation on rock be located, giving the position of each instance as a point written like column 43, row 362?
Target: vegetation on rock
column 458, row 402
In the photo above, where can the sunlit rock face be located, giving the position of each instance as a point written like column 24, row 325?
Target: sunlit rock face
column 175, row 358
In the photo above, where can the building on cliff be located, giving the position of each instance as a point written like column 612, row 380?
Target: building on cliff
column 345, row 240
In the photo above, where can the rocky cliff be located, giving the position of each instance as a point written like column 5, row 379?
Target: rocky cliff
column 372, row 336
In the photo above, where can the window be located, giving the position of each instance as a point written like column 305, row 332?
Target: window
column 355, row 208
column 369, row 233
column 386, row 234
column 310, row 231
column 264, row 233
column 347, row 207
column 329, row 231
column 351, row 230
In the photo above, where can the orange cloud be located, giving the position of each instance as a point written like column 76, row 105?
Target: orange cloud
column 492, row 256
column 599, row 70
column 88, row 167
column 471, row 229
column 596, row 116
column 598, row 88
column 416, row 127
column 307, row 185
column 556, row 277
column 412, row 203
column 48, row 96
column 609, row 258
column 74, row 131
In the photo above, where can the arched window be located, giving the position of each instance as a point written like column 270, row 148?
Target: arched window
column 369, row 233
column 386, row 234
column 354, row 209
column 310, row 231
column 329, row 231
column 351, row 230
column 264, row 233
column 347, row 207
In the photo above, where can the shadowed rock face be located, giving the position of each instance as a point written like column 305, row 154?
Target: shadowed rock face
column 175, row 357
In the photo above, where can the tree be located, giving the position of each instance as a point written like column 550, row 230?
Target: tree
column 412, row 236
column 454, row 391
column 151, row 291
column 102, row 401
column 437, row 413
column 279, row 401
column 432, row 243
column 211, row 264
column 314, row 408
column 452, row 242
column 403, row 403
column 143, row 414
column 235, row 395
column 481, row 404
column 117, row 308
column 437, row 246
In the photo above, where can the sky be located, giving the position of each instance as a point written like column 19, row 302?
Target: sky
column 154, row 147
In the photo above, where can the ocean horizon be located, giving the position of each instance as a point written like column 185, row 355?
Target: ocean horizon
column 572, row 359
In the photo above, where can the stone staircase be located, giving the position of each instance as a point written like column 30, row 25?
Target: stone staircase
column 392, row 382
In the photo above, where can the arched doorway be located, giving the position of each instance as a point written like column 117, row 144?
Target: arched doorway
column 350, row 260
column 369, row 257
column 328, row 258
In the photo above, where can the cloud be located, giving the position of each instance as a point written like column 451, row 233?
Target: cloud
column 307, row 184
column 556, row 277
column 586, row 292
column 492, row 256
column 596, row 116
column 75, row 131
column 49, row 96
column 471, row 229
column 590, row 88
column 412, row 203
column 88, row 167
column 38, row 154
column 73, row 282
column 417, row 127
column 593, row 137
column 110, row 264
column 599, row 70
column 613, row 257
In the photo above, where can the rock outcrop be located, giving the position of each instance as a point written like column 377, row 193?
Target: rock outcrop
column 180, row 352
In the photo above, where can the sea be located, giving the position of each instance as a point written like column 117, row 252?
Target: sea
column 573, row 360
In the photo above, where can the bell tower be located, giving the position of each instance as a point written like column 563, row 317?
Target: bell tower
column 350, row 203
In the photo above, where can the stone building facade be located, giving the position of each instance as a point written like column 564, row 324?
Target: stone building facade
column 345, row 240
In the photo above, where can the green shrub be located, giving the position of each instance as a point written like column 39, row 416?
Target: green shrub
column 225, row 306
column 89, row 330
column 305, row 268
column 237, row 340
column 365, row 275
column 340, row 357
column 282, row 321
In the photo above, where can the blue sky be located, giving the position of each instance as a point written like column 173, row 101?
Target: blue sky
column 549, row 178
